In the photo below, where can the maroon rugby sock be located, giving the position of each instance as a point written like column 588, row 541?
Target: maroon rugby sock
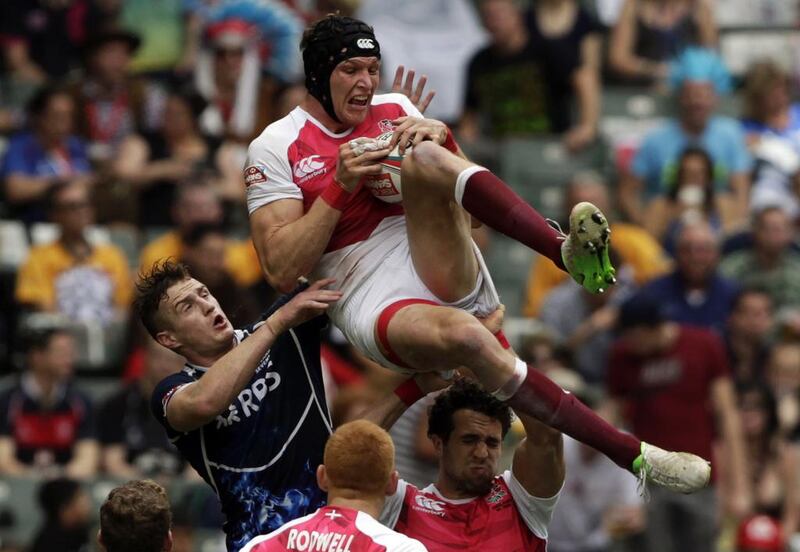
column 494, row 203
column 539, row 397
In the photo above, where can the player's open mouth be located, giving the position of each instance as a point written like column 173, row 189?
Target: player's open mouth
column 359, row 101
column 219, row 322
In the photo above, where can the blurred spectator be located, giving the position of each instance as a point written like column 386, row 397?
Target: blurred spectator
column 672, row 385
column 158, row 163
column 747, row 334
column 759, row 533
column 769, row 110
column 771, row 460
column 650, row 33
column 770, row 264
column 698, row 76
column 67, row 511
column 136, row 516
column 507, row 90
column 586, row 321
column 40, row 38
column 568, row 38
column 695, row 293
column 47, row 154
column 783, row 377
column 86, row 282
column 228, row 75
column 134, row 445
column 197, row 203
column 435, row 37
column 204, row 253
column 599, row 503
column 46, row 424
column 161, row 27
column 111, row 102
column 690, row 198
column 634, row 247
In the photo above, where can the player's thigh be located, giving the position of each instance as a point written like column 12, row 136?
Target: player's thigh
column 439, row 230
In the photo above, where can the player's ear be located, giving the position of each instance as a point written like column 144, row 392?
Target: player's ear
column 322, row 478
column 438, row 445
column 391, row 486
column 168, row 542
column 167, row 340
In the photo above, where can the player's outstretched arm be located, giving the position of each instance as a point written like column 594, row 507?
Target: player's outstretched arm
column 539, row 459
column 199, row 403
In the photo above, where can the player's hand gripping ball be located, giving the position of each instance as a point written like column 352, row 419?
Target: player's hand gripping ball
column 386, row 186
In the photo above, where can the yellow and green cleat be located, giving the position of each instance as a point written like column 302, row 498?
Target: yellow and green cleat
column 585, row 249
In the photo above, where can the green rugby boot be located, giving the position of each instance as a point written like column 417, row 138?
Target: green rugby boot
column 585, row 248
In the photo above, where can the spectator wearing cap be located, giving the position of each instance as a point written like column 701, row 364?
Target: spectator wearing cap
column 67, row 511
column 156, row 164
column 698, row 76
column 228, row 75
column 111, row 102
column 632, row 244
column 87, row 282
column 670, row 383
column 46, row 424
column 759, row 534
column 695, row 292
column 198, row 203
column 47, row 154
column 770, row 263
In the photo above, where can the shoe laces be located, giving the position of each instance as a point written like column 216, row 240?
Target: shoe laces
column 557, row 227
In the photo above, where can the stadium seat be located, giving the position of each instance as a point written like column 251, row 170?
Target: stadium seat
column 127, row 239
column 45, row 232
column 13, row 244
column 741, row 48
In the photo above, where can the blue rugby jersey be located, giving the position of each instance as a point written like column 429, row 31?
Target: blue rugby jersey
column 261, row 456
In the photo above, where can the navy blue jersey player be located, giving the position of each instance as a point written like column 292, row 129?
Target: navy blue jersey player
column 248, row 410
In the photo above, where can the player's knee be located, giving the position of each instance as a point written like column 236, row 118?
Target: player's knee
column 466, row 337
column 423, row 162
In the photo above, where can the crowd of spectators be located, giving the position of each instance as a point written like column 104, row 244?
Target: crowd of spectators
column 123, row 129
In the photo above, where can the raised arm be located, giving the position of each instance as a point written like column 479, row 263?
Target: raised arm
column 200, row 402
column 539, row 459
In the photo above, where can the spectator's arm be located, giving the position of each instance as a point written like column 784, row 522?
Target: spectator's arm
column 35, row 287
column 724, row 404
column 85, row 460
column 9, row 465
column 621, row 57
column 230, row 183
column 740, row 190
column 23, row 188
column 706, row 24
column 539, row 459
column 19, row 62
column 789, row 458
column 586, row 81
column 630, row 201
column 468, row 128
column 115, row 463
column 133, row 164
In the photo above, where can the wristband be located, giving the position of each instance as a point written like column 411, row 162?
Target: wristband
column 409, row 392
column 335, row 196
column 450, row 142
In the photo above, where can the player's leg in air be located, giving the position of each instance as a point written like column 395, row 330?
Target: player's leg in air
column 419, row 335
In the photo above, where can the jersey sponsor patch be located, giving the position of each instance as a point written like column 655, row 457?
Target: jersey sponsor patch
column 254, row 174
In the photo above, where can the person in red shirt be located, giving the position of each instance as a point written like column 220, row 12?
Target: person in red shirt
column 357, row 473
column 672, row 386
column 470, row 507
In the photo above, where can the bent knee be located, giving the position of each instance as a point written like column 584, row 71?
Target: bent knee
column 466, row 337
column 424, row 159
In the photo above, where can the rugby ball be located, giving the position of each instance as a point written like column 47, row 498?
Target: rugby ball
column 387, row 185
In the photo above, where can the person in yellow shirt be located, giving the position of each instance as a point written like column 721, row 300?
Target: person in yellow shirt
column 197, row 203
column 82, row 280
column 632, row 243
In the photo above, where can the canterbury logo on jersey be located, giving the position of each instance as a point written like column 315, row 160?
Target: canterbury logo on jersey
column 429, row 505
column 309, row 167
column 365, row 43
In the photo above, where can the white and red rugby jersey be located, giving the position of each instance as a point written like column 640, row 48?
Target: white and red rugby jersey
column 334, row 529
column 507, row 519
column 295, row 158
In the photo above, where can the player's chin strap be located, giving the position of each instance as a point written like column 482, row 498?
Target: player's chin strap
column 332, row 41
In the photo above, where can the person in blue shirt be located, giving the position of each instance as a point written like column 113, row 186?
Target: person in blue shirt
column 47, row 154
column 248, row 409
column 699, row 76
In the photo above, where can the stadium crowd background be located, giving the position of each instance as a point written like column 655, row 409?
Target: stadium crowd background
column 123, row 129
